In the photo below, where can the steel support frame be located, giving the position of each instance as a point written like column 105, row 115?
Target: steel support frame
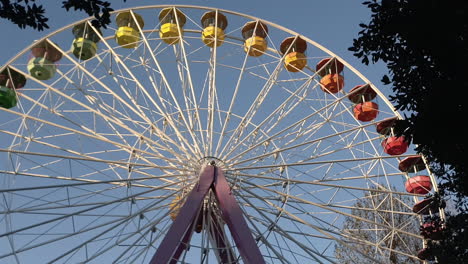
column 180, row 233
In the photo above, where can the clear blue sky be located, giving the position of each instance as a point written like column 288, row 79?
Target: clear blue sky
column 331, row 23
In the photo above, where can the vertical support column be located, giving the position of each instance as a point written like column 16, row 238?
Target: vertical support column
column 177, row 234
column 180, row 233
column 182, row 245
column 219, row 241
column 233, row 216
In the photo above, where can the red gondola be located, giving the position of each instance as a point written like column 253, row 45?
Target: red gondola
column 333, row 67
column 47, row 51
column 424, row 207
column 12, row 79
column 412, row 164
column 361, row 93
column 432, row 230
column 395, row 145
column 385, row 127
column 424, row 254
column 419, row 184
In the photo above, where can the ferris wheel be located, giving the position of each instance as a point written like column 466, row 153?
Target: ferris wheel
column 184, row 134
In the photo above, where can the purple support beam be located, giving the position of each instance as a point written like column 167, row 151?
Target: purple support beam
column 181, row 230
column 185, row 218
column 182, row 246
column 218, row 238
column 233, row 216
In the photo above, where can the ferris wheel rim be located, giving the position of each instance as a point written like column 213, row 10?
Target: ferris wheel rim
column 329, row 52
column 226, row 112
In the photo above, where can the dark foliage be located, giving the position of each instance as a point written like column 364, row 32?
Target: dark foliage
column 452, row 248
column 99, row 9
column 425, row 46
column 26, row 13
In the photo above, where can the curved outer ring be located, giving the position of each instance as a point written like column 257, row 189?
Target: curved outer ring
column 293, row 33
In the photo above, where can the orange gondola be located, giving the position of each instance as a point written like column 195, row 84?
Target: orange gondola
column 366, row 111
column 332, row 83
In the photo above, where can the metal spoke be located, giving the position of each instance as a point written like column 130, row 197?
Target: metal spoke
column 99, row 159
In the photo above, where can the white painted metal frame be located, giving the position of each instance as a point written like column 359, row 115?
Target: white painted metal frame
column 98, row 153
